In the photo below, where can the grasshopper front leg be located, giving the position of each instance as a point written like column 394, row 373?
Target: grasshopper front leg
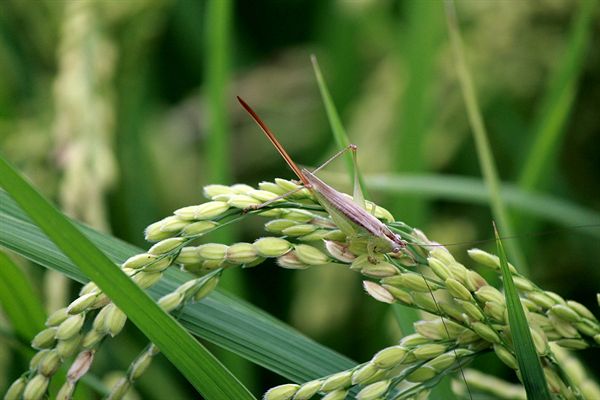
column 372, row 252
column 255, row 207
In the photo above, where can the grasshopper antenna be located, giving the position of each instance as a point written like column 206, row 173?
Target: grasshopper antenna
column 275, row 142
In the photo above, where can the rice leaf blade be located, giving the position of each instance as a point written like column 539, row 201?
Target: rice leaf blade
column 19, row 300
column 198, row 365
column 339, row 132
column 557, row 104
column 473, row 190
column 217, row 41
column 530, row 367
column 418, row 49
column 482, row 145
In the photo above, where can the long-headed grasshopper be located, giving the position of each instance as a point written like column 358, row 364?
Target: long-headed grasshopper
column 353, row 220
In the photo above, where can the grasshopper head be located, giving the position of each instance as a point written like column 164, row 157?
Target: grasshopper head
column 398, row 243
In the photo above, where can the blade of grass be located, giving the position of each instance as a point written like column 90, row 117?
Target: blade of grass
column 549, row 127
column 557, row 104
column 339, row 133
column 404, row 315
column 473, row 190
column 199, row 366
column 530, row 367
column 484, row 152
column 419, row 47
column 20, row 302
column 221, row 318
column 135, row 200
column 217, row 42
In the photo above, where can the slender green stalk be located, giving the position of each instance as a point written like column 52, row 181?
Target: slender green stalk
column 218, row 47
column 135, row 202
column 217, row 42
column 473, row 191
column 549, row 128
column 484, row 152
column 339, row 133
column 419, row 44
column 557, row 104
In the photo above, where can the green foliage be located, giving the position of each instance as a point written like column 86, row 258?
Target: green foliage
column 121, row 111
column 199, row 366
column 529, row 362
column 20, row 300
column 222, row 318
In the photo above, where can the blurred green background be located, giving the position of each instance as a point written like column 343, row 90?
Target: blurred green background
column 120, row 111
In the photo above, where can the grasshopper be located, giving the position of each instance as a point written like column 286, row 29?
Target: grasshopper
column 353, row 220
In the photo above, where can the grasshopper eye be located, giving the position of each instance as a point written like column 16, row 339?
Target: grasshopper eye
column 396, row 249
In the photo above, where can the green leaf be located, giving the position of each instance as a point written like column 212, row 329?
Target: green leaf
column 558, row 101
column 19, row 300
column 419, row 48
column 473, row 190
column 482, row 145
column 198, row 365
column 217, row 42
column 339, row 133
column 221, row 318
column 530, row 367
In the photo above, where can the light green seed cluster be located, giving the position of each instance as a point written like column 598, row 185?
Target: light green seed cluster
column 473, row 319
column 61, row 339
column 64, row 336
column 415, row 360
column 188, row 292
column 246, row 197
column 193, row 221
column 565, row 322
column 208, row 257
column 470, row 302
column 473, row 316
column 577, row 374
column 486, row 385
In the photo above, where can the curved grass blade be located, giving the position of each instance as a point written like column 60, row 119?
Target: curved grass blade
column 556, row 106
column 19, row 300
column 198, row 365
column 473, row 190
column 221, row 318
column 339, row 133
column 484, row 152
column 530, row 367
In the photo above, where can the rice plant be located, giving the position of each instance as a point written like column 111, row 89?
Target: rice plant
column 120, row 112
